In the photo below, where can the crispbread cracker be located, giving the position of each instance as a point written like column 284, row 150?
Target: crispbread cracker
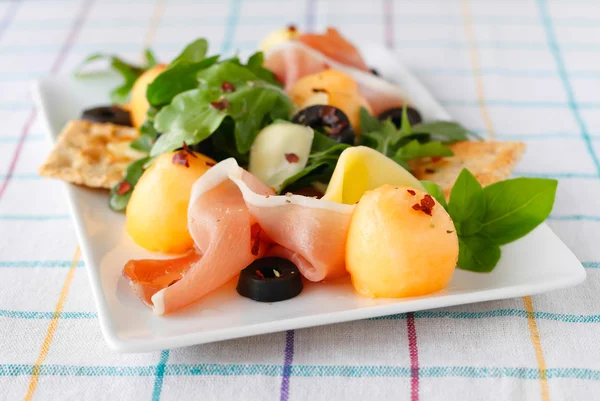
column 489, row 162
column 91, row 154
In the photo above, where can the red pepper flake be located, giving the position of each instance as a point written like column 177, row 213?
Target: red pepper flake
column 292, row 28
column 426, row 205
column 255, row 238
column 123, row 188
column 221, row 104
column 292, row 158
column 410, row 191
column 227, row 87
column 210, row 164
column 436, row 159
column 182, row 157
column 259, row 274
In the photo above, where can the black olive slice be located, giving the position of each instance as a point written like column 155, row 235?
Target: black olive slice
column 329, row 120
column 270, row 280
column 108, row 114
column 414, row 117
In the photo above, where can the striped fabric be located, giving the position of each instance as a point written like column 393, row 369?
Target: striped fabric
column 514, row 70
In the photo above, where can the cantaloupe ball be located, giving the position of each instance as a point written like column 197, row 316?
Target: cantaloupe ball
column 157, row 211
column 395, row 251
column 333, row 88
column 138, row 106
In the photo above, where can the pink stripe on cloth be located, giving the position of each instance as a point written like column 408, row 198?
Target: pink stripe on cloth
column 64, row 51
column 388, row 22
column 414, row 356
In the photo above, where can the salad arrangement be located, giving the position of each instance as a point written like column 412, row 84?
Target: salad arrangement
column 298, row 163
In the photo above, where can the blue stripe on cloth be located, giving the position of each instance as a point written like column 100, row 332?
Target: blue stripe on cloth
column 230, row 28
column 591, row 265
column 519, row 103
column 556, row 175
column 160, row 374
column 15, row 139
column 22, row 177
column 558, row 317
column 39, row 217
column 505, row 72
column 45, row 315
column 575, row 217
column 471, row 372
column 39, row 263
column 9, row 14
column 562, row 71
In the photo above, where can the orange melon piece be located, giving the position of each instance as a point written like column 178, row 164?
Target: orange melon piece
column 138, row 105
column 393, row 250
column 333, row 88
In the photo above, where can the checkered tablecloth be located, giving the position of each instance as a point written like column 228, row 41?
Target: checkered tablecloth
column 518, row 70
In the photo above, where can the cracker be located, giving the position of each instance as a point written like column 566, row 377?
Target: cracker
column 489, row 162
column 91, row 154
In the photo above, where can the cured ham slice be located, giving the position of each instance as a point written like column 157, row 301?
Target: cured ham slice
column 310, row 232
column 293, row 60
column 334, row 46
column 235, row 219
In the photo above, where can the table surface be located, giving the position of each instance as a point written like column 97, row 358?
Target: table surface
column 516, row 70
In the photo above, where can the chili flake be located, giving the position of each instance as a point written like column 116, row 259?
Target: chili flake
column 291, row 28
column 436, row 159
column 259, row 274
column 123, row 188
column 209, row 164
column 181, row 157
column 426, row 205
column 221, row 104
column 227, row 87
column 410, row 191
column 292, row 158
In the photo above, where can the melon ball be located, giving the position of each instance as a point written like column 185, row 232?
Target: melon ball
column 138, row 106
column 156, row 216
column 401, row 243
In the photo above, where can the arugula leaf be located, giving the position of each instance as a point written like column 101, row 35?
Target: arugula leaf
column 467, row 204
column 178, row 78
column 226, row 71
column 434, row 190
column 516, row 206
column 193, row 53
column 414, row 149
column 151, row 59
column 368, row 123
column 321, row 163
column 129, row 72
column 477, row 253
column 255, row 64
column 445, row 131
column 134, row 171
column 190, row 117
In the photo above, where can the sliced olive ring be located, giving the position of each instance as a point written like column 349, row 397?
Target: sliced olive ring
column 329, row 120
column 414, row 117
column 108, row 114
column 270, row 280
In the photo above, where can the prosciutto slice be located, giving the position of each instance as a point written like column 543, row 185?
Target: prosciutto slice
column 235, row 219
column 293, row 60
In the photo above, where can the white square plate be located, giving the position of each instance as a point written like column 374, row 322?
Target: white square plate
column 537, row 263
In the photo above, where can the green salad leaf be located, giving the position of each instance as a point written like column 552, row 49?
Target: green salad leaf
column 129, row 72
column 118, row 201
column 445, row 131
column 486, row 218
column 194, row 115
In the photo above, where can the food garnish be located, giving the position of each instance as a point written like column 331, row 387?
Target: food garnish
column 108, row 114
column 270, row 280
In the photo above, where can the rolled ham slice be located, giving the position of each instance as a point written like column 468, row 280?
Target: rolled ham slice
column 293, row 60
column 235, row 219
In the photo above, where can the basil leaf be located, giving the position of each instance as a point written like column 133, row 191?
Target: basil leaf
column 414, row 149
column 445, row 131
column 467, row 204
column 193, row 53
column 178, row 78
column 434, row 190
column 368, row 123
column 516, row 206
column 477, row 253
column 134, row 171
